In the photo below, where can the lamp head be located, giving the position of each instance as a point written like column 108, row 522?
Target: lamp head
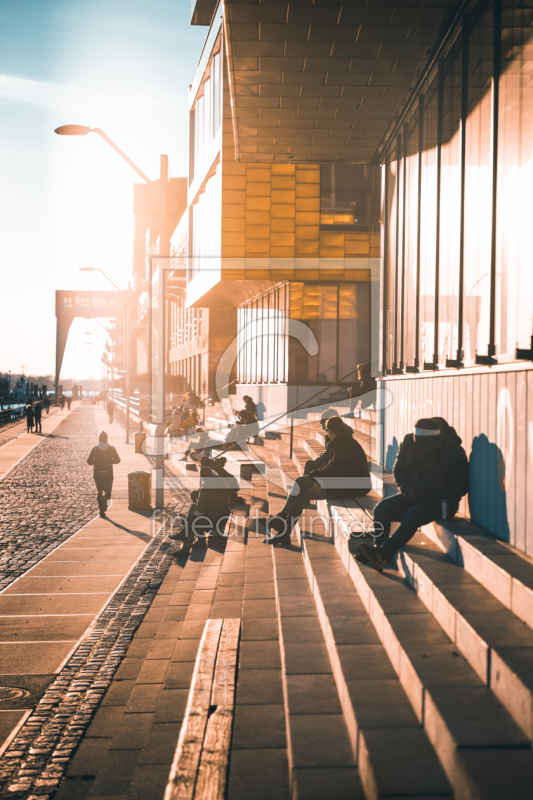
column 72, row 130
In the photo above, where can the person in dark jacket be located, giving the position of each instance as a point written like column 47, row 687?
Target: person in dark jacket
column 432, row 474
column 209, row 512
column 29, row 415
column 250, row 406
column 345, row 474
column 102, row 457
column 38, row 413
column 322, row 459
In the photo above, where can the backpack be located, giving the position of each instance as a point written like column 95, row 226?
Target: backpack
column 103, row 465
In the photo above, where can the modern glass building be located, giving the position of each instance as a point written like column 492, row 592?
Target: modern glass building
column 359, row 193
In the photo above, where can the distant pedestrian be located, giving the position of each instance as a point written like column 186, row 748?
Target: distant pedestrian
column 62, row 401
column 102, row 457
column 29, row 415
column 47, row 404
column 111, row 410
column 69, row 402
column 37, row 413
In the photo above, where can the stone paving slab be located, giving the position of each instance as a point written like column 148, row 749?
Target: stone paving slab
column 16, row 448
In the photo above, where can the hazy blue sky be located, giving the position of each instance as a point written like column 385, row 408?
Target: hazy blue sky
column 124, row 66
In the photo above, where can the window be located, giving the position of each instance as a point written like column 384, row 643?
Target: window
column 262, row 339
column 349, row 197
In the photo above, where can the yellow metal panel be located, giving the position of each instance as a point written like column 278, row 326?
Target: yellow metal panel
column 283, row 169
column 233, row 274
column 347, row 302
column 232, row 168
column 307, row 274
column 307, row 232
column 280, row 252
column 256, row 189
column 257, row 275
column 257, row 217
column 233, row 252
column 308, row 204
column 282, row 239
column 283, row 182
column 331, row 252
column 257, row 203
column 307, row 247
column 258, row 173
column 307, row 190
column 254, row 246
column 283, row 196
column 258, row 231
column 360, row 248
column 308, row 175
column 233, row 224
column 281, row 274
column 233, row 239
column 307, row 218
column 282, row 225
column 233, row 210
column 357, row 274
column 279, row 210
column 309, row 167
column 232, row 196
column 233, row 182
column 331, row 239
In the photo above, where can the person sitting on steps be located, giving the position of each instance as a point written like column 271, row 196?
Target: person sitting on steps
column 345, row 474
column 209, row 512
column 322, row 459
column 250, row 406
column 431, row 472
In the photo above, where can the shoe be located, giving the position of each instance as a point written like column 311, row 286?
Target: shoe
column 284, row 540
column 374, row 555
column 102, row 514
column 361, row 558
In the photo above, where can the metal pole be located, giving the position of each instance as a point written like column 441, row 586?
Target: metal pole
column 127, row 360
column 161, row 348
column 292, row 434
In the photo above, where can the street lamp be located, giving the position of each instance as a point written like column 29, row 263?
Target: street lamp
column 164, row 252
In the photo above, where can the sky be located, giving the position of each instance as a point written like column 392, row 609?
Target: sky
column 67, row 202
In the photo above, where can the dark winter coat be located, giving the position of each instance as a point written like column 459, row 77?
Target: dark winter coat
column 102, row 457
column 440, row 474
column 345, row 459
column 213, row 503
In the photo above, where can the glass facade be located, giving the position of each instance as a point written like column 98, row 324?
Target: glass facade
column 338, row 317
column 458, row 267
column 205, row 116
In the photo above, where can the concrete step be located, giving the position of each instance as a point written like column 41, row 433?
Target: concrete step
column 498, row 567
column 358, row 677
column 495, row 642
column 460, row 714
column 472, row 732
column 321, row 756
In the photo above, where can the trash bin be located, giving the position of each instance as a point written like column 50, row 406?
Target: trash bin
column 139, row 490
column 139, row 440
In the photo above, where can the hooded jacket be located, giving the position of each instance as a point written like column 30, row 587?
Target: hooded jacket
column 439, row 474
column 345, row 459
column 102, row 457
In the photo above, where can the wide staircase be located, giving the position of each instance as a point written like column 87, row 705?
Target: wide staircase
column 430, row 663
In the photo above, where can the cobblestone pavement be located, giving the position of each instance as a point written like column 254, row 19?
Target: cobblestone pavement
column 36, row 759
column 48, row 496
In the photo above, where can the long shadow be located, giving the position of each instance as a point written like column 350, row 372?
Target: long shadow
column 145, row 537
column 51, row 436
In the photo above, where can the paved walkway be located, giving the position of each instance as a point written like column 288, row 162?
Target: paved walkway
column 47, row 609
column 20, row 442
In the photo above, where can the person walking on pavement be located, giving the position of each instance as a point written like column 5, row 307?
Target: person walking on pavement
column 111, row 410
column 432, row 474
column 29, row 415
column 37, row 415
column 69, row 401
column 101, row 458
column 47, row 403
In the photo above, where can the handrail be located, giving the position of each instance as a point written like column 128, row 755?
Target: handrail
column 306, row 400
